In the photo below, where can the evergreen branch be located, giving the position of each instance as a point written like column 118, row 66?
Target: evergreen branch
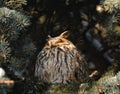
column 111, row 85
column 20, row 21
column 14, row 19
column 116, row 18
column 24, row 2
column 5, row 49
column 111, row 5
column 15, row 4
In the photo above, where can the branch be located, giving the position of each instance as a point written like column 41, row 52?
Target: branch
column 7, row 82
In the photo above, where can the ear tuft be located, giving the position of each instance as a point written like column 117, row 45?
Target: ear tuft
column 48, row 38
column 65, row 34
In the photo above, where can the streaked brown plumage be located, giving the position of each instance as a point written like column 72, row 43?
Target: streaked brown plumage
column 60, row 62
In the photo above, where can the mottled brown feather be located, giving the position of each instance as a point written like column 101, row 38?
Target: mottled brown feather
column 60, row 62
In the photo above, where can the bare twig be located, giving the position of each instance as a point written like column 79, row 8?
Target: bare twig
column 7, row 81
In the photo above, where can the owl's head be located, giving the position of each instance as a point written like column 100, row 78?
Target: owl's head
column 58, row 41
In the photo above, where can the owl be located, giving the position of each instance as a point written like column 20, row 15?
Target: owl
column 60, row 62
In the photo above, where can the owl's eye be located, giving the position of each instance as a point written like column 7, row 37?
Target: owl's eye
column 59, row 40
